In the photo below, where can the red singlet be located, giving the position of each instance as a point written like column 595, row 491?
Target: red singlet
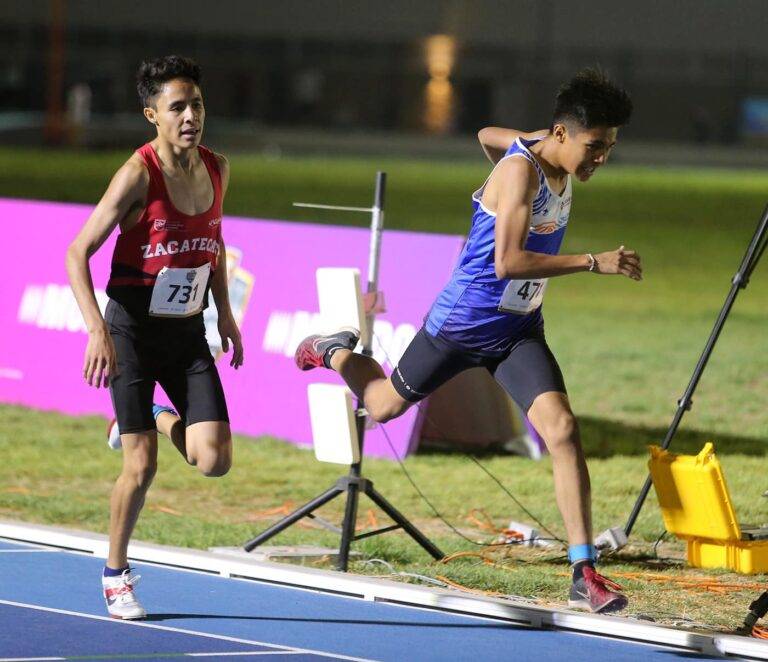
column 164, row 236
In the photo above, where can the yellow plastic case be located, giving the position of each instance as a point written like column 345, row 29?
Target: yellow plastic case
column 696, row 507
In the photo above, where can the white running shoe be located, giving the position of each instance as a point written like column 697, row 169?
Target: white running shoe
column 113, row 432
column 113, row 436
column 120, row 598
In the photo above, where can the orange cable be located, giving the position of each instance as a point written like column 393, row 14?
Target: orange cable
column 694, row 583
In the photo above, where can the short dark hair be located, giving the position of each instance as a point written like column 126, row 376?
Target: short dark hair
column 591, row 99
column 153, row 73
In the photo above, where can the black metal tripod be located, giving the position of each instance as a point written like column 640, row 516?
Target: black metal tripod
column 739, row 282
column 758, row 608
column 354, row 483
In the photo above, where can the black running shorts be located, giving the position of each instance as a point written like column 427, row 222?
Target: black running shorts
column 525, row 371
column 171, row 352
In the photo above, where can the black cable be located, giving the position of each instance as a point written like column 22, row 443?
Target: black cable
column 514, row 498
column 437, row 512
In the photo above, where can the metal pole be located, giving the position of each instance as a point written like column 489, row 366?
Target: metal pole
column 739, row 281
column 355, row 470
column 377, row 223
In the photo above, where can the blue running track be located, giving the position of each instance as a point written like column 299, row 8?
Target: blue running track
column 51, row 608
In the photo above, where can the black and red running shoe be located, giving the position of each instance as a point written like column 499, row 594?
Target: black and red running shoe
column 596, row 593
column 316, row 351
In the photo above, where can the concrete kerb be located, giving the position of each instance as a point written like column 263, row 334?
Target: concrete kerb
column 384, row 590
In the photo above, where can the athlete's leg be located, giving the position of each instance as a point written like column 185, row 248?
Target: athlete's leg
column 131, row 390
column 206, row 445
column 364, row 376
column 201, row 432
column 530, row 374
column 552, row 417
column 425, row 365
column 139, row 467
column 366, row 379
column 168, row 423
column 172, row 426
column 209, row 447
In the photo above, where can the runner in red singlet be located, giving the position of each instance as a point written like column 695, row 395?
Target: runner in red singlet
column 167, row 199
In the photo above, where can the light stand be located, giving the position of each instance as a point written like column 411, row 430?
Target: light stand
column 740, row 281
column 354, row 483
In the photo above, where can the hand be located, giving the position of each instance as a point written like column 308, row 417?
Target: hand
column 620, row 261
column 100, row 358
column 228, row 331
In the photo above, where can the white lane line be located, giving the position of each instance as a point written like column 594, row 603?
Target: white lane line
column 27, row 551
column 243, row 653
column 167, row 628
column 230, row 654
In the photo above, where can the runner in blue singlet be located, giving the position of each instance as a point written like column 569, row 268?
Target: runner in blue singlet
column 473, row 310
column 490, row 312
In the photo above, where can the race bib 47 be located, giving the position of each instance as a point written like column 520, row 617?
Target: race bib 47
column 522, row 296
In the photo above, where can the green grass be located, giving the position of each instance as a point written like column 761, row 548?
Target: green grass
column 627, row 351
column 39, row 484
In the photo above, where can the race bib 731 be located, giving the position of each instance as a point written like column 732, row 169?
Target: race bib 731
column 179, row 292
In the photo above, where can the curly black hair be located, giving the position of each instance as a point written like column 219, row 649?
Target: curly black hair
column 591, row 99
column 153, row 73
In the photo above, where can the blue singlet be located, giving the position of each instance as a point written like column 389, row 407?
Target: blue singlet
column 473, row 310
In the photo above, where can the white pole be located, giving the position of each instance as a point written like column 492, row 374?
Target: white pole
column 377, row 223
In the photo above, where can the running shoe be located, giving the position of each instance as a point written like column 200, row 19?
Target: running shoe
column 113, row 436
column 120, row 598
column 316, row 351
column 113, row 432
column 596, row 593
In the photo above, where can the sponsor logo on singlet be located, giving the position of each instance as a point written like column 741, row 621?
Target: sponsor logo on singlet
column 175, row 247
column 553, row 217
column 162, row 224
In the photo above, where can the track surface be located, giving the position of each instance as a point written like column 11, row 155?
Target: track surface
column 51, row 607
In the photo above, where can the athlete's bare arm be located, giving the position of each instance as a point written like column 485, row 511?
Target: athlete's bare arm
column 122, row 201
column 220, row 288
column 511, row 190
column 495, row 140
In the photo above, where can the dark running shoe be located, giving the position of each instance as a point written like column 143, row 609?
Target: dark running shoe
column 596, row 593
column 315, row 351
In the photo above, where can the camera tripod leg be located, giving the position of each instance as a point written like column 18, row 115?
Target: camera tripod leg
column 348, row 526
column 295, row 516
column 400, row 519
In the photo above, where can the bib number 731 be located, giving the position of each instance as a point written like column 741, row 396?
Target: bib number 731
column 523, row 296
column 183, row 293
column 179, row 292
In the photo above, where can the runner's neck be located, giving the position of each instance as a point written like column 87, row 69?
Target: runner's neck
column 175, row 160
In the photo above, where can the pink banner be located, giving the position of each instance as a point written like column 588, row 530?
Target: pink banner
column 272, row 268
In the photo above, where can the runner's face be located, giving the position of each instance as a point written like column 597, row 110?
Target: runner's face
column 585, row 150
column 179, row 113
